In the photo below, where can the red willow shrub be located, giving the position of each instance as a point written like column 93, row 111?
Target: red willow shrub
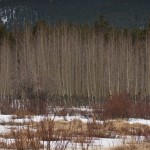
column 141, row 109
column 118, row 106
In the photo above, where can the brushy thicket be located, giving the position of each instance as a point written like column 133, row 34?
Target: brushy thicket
column 75, row 65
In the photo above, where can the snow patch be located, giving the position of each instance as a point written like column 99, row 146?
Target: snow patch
column 140, row 121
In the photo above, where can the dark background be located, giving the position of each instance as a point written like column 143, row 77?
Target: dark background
column 120, row 13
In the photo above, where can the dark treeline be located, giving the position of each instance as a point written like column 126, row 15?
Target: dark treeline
column 69, row 63
column 120, row 13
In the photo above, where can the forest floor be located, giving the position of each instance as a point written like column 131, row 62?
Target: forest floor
column 78, row 129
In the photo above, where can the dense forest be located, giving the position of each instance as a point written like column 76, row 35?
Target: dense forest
column 77, row 64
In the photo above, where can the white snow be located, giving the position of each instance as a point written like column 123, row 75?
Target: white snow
column 4, row 129
column 95, row 143
column 140, row 121
column 5, row 118
column 98, row 143
column 4, row 19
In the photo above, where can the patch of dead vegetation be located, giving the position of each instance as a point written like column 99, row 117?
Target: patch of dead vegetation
column 122, row 127
column 22, row 114
column 91, row 129
column 117, row 128
column 32, row 133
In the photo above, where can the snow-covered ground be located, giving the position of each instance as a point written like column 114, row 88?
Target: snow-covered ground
column 97, row 143
column 84, row 119
column 140, row 121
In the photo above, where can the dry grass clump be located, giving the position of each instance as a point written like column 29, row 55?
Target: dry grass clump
column 21, row 144
column 45, row 130
column 25, row 138
column 7, row 145
column 21, row 114
column 22, row 139
column 12, row 123
column 76, row 127
column 124, row 128
column 3, row 144
column 111, row 129
column 60, row 129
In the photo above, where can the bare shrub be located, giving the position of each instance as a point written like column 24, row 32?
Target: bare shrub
column 45, row 130
column 118, row 106
column 141, row 105
column 100, row 130
column 25, row 138
column 5, row 107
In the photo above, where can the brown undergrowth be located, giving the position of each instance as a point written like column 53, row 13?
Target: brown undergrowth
column 36, row 135
column 117, row 128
